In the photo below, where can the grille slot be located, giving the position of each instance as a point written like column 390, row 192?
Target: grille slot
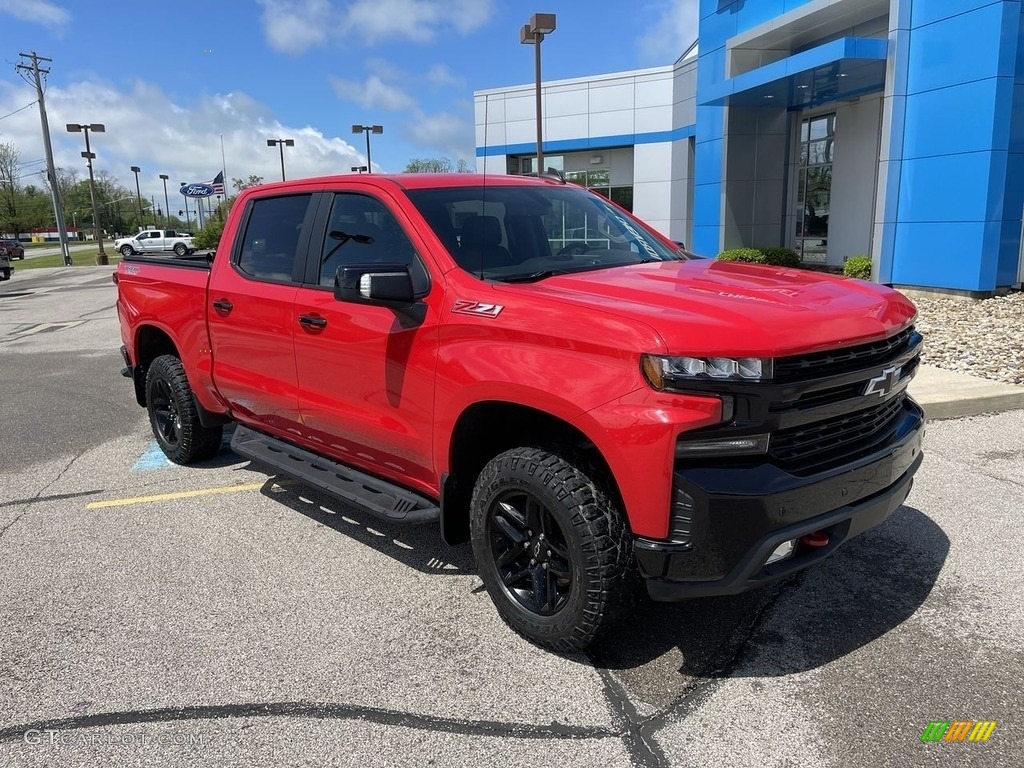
column 839, row 361
column 804, row 449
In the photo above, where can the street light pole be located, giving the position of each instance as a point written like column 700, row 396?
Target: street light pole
column 532, row 34
column 167, row 203
column 368, row 129
column 138, row 196
column 188, row 220
column 101, row 256
column 281, row 143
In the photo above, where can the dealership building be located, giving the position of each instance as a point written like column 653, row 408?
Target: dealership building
column 889, row 128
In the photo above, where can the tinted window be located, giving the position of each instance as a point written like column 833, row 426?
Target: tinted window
column 530, row 232
column 361, row 230
column 272, row 237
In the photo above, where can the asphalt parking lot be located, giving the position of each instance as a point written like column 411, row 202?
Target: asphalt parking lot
column 158, row 615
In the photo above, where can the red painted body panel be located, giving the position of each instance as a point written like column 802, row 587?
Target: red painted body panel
column 386, row 396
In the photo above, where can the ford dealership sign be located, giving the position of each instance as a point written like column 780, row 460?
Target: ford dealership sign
column 197, row 190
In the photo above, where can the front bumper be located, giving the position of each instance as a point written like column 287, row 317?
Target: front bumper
column 733, row 518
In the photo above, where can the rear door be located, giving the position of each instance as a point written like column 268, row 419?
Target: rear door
column 366, row 372
column 251, row 312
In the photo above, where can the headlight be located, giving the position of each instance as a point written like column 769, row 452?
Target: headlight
column 661, row 371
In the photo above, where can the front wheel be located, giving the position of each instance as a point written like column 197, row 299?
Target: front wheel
column 173, row 414
column 553, row 549
column 127, row 250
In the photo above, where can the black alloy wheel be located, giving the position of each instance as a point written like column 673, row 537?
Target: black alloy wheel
column 530, row 551
column 553, row 549
column 174, row 416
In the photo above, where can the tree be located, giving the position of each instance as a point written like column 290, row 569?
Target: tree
column 441, row 164
column 252, row 181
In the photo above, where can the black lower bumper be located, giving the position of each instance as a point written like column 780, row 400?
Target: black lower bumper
column 736, row 517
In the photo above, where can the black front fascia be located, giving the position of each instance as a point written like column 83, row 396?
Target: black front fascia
column 773, row 406
column 741, row 514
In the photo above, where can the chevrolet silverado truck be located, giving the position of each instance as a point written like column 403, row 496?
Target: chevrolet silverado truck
column 541, row 374
column 155, row 241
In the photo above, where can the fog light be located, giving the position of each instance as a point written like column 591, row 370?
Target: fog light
column 781, row 552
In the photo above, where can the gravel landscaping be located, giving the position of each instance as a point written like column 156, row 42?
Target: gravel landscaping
column 981, row 337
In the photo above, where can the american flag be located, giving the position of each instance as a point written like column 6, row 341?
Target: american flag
column 218, row 184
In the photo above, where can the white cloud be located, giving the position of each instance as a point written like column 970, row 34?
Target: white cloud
column 373, row 93
column 440, row 75
column 38, row 11
column 295, row 26
column 187, row 147
column 449, row 133
column 672, row 32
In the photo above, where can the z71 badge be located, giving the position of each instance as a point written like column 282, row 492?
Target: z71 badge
column 464, row 307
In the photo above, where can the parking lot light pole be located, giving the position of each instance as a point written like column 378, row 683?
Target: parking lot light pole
column 532, row 34
column 138, row 196
column 101, row 256
column 281, row 143
column 368, row 129
column 167, row 203
column 188, row 219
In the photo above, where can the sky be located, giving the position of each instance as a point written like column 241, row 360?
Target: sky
column 173, row 82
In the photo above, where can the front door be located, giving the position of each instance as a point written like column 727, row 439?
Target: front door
column 366, row 373
column 251, row 308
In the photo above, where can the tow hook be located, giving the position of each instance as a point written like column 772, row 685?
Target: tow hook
column 815, row 539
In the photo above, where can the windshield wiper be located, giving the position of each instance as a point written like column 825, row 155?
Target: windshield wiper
column 534, row 276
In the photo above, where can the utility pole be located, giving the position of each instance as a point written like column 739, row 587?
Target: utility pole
column 51, row 172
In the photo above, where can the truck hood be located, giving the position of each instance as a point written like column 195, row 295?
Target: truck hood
column 707, row 307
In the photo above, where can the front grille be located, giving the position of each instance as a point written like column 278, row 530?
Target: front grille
column 839, row 361
column 805, row 449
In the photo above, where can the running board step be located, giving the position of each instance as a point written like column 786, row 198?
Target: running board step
column 379, row 497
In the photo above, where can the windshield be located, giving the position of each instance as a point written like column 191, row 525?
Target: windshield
column 516, row 234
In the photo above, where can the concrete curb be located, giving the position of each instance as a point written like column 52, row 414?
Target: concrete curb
column 949, row 395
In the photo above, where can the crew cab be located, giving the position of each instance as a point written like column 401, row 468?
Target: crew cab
column 538, row 372
column 155, row 241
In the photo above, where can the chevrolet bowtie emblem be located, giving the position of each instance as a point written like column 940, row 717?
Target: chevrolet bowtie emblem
column 884, row 384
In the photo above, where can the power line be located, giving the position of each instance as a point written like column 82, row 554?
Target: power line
column 18, row 110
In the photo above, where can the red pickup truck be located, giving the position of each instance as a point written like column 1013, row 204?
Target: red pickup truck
column 526, row 363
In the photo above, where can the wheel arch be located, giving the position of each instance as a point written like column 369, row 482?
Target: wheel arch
column 485, row 429
column 150, row 343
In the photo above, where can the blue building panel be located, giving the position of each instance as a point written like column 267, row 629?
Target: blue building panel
column 971, row 46
column 939, row 123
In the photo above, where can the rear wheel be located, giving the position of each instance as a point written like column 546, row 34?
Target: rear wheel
column 180, row 249
column 173, row 414
column 553, row 550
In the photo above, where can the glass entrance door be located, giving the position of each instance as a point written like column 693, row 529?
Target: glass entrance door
column 814, row 187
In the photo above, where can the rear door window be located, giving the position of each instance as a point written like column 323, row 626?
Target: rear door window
column 270, row 243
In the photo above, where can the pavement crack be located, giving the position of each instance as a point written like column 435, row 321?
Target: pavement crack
column 315, row 711
column 38, row 497
column 639, row 734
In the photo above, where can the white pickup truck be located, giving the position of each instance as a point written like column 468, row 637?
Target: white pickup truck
column 155, row 240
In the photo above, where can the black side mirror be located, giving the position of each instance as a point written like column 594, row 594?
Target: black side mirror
column 386, row 284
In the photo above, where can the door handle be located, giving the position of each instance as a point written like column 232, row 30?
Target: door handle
column 313, row 322
column 223, row 306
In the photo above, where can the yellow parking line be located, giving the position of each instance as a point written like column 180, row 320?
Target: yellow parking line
column 179, row 495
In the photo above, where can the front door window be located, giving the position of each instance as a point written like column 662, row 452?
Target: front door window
column 814, row 187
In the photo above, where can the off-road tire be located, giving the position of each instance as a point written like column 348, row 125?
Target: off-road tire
column 592, row 533
column 173, row 414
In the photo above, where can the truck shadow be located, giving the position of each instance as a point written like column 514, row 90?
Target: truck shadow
column 867, row 588
column 416, row 546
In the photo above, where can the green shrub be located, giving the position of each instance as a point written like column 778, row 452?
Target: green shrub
column 778, row 257
column 751, row 255
column 781, row 257
column 858, row 266
column 208, row 237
